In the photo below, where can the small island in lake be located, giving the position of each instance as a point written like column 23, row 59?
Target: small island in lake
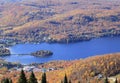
column 42, row 53
column 4, row 52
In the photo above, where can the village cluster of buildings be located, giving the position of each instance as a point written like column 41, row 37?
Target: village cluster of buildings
column 34, row 69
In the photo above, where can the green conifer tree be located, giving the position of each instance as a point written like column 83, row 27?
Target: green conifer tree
column 44, row 78
column 106, row 80
column 6, row 80
column 65, row 79
column 22, row 78
column 32, row 78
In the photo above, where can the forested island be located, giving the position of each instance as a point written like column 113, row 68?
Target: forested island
column 42, row 53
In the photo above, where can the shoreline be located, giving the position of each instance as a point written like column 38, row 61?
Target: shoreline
column 92, row 38
column 55, row 61
column 63, row 59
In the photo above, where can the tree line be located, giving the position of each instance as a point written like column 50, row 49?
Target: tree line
column 32, row 79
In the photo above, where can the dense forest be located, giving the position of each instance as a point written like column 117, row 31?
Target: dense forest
column 59, row 21
column 91, row 69
column 32, row 79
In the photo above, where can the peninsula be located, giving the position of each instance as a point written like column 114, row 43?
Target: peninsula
column 4, row 52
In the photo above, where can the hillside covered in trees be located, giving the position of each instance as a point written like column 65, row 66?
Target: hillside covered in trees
column 83, row 70
column 59, row 21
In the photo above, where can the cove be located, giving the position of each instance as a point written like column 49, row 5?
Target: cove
column 71, row 51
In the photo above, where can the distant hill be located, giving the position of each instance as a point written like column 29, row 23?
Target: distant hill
column 59, row 21
column 7, row 1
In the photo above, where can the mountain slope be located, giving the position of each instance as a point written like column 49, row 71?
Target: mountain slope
column 82, row 70
column 8, row 1
column 89, row 68
column 59, row 21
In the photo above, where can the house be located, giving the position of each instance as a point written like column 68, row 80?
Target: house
column 50, row 69
column 28, row 68
column 100, row 76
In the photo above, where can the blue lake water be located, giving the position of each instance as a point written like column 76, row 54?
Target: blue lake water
column 65, row 51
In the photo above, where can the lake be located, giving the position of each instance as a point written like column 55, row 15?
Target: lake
column 71, row 51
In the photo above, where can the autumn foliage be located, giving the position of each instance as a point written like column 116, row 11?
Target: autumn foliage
column 83, row 70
